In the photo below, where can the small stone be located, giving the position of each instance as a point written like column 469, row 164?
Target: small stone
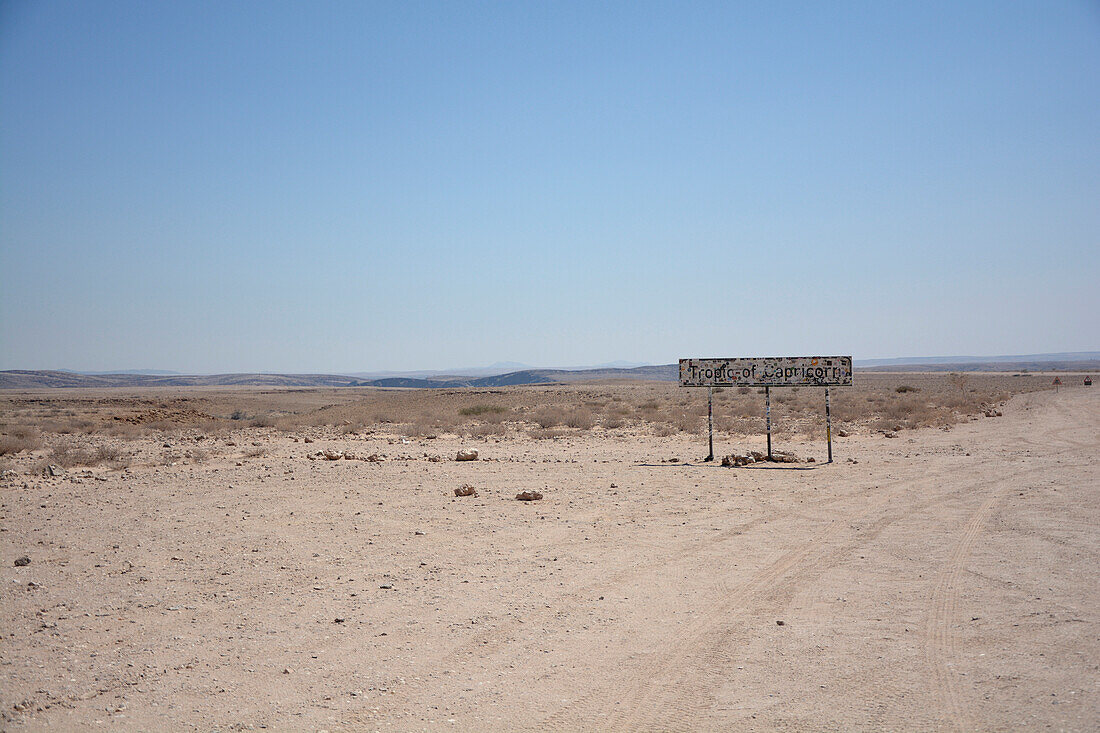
column 386, row 586
column 420, row 532
column 338, row 620
column 332, row 455
column 466, row 490
column 842, row 433
column 890, row 434
column 287, row 670
column 21, row 561
column 780, row 623
column 54, row 470
column 466, row 454
column 528, row 496
column 307, row 440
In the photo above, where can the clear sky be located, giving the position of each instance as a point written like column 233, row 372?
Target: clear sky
column 351, row 186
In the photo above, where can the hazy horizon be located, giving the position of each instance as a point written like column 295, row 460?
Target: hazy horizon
column 300, row 188
column 504, row 366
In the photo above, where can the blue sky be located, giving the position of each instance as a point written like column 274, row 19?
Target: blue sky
column 350, row 186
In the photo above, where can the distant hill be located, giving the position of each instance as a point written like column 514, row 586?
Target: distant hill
column 1067, row 361
column 24, row 379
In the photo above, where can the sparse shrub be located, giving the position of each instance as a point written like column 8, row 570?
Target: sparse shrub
column 613, row 421
column 548, row 417
column 19, row 439
column 902, row 389
column 478, row 410
column 581, row 419
column 68, row 455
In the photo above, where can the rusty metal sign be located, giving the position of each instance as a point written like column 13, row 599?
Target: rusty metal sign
column 779, row 371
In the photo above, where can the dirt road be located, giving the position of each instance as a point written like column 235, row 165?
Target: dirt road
column 945, row 580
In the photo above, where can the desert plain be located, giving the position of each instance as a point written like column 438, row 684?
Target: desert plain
column 190, row 559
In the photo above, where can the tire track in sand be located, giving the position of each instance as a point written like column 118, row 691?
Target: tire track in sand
column 672, row 692
column 939, row 631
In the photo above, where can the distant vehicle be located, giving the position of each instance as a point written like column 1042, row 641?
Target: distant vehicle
column 1088, row 381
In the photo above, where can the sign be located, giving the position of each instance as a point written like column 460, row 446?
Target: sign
column 780, row 371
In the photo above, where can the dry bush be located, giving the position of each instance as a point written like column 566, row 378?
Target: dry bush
column 480, row 409
column 68, row 455
column 419, row 430
column 256, row 453
column 20, row 438
column 581, row 419
column 958, row 381
column 613, row 421
column 548, row 417
column 692, row 424
column 903, row 388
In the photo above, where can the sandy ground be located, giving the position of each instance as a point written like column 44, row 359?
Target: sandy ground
column 945, row 580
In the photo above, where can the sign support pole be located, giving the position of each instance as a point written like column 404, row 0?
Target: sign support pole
column 768, row 417
column 828, row 426
column 710, row 422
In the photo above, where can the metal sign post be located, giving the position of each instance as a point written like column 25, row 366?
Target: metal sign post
column 768, row 372
column 710, row 422
column 768, row 417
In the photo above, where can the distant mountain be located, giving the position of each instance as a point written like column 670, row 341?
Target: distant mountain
column 26, row 379
column 22, row 379
column 1064, row 361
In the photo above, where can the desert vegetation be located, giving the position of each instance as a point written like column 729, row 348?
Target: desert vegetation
column 89, row 428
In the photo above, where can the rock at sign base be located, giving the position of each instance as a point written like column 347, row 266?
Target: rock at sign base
column 466, row 454
column 466, row 490
column 331, row 455
column 528, row 496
